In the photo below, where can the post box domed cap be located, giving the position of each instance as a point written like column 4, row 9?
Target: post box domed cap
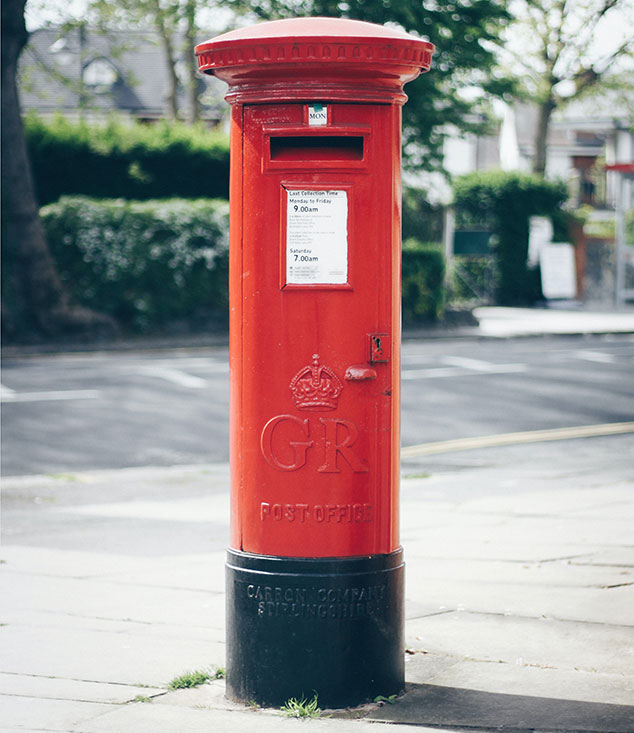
column 296, row 50
column 297, row 28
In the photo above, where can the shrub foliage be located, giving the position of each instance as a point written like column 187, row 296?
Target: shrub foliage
column 127, row 160
column 152, row 265
column 420, row 219
column 423, row 293
column 503, row 203
column 148, row 263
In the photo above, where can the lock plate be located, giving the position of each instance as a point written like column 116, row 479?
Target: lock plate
column 380, row 347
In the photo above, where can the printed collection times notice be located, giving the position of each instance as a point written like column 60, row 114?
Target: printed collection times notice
column 316, row 237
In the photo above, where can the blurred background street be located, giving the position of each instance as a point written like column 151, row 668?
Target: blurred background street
column 73, row 412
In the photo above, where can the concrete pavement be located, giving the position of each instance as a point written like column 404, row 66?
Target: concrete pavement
column 505, row 322
column 520, row 597
column 557, row 319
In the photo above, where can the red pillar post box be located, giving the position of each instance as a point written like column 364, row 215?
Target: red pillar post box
column 315, row 571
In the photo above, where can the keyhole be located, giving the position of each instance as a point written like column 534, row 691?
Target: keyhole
column 378, row 351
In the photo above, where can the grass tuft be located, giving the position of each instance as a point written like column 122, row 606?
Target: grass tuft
column 142, row 698
column 382, row 699
column 303, row 708
column 196, row 678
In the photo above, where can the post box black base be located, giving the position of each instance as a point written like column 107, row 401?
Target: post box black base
column 298, row 627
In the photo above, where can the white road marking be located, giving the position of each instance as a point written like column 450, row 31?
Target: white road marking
column 431, row 373
column 600, row 357
column 203, row 364
column 10, row 395
column 459, row 366
column 6, row 391
column 531, row 436
column 486, row 367
column 175, row 376
column 477, row 365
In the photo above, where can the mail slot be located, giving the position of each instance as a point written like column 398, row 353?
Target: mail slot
column 315, row 568
column 311, row 148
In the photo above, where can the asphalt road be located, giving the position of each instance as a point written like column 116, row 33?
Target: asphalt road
column 67, row 413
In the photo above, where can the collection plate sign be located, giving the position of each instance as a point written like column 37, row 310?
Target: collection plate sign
column 316, row 237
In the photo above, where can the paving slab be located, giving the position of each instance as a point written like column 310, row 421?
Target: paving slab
column 449, row 543
column 591, row 605
column 199, row 572
column 40, row 714
column 619, row 557
column 544, row 642
column 166, row 718
column 515, row 679
column 114, row 657
column 199, row 509
column 81, row 487
column 59, row 688
column 566, row 501
column 55, row 621
column 491, row 711
column 108, row 599
column 588, row 571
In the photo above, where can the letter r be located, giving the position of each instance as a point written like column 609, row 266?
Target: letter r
column 332, row 448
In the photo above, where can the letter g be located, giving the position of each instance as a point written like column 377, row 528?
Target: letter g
column 299, row 447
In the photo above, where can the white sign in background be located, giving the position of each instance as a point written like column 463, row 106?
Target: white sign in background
column 540, row 235
column 557, row 264
column 316, row 237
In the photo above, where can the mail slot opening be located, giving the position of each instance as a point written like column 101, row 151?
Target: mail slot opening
column 313, row 147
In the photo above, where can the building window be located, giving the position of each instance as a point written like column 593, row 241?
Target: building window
column 100, row 75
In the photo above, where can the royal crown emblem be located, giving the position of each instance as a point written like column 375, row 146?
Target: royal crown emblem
column 316, row 387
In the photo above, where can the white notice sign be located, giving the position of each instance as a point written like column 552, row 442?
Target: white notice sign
column 557, row 264
column 316, row 237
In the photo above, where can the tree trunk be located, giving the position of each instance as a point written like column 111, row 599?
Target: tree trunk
column 541, row 136
column 193, row 83
column 33, row 295
column 170, row 60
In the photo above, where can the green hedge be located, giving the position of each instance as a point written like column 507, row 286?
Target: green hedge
column 420, row 219
column 503, row 203
column 148, row 264
column 472, row 279
column 126, row 160
column 155, row 265
column 423, row 293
